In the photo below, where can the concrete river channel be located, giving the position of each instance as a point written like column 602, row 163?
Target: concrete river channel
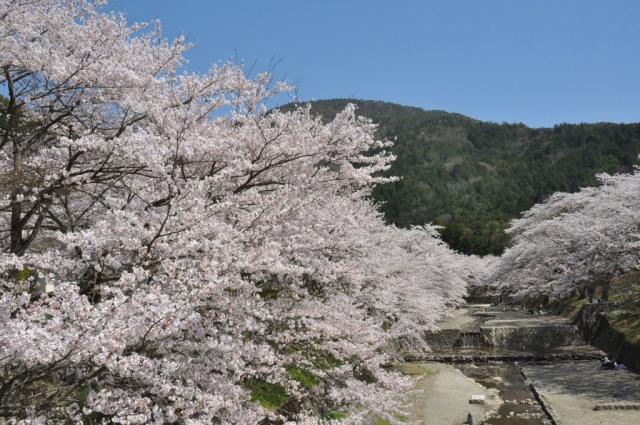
column 492, row 365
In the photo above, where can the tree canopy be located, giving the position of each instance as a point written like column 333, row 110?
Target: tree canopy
column 172, row 252
column 572, row 238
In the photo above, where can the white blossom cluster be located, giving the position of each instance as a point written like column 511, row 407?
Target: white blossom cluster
column 162, row 261
column 572, row 238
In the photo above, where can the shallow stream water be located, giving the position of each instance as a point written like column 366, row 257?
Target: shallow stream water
column 520, row 406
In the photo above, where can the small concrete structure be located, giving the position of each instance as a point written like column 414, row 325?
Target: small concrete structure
column 477, row 399
column 617, row 406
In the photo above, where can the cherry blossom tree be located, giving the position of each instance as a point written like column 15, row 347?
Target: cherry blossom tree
column 479, row 274
column 573, row 238
column 163, row 262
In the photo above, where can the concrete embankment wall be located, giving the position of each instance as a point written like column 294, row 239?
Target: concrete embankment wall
column 527, row 338
column 449, row 338
column 533, row 338
column 594, row 325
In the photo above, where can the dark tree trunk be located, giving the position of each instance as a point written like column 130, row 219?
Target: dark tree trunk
column 11, row 137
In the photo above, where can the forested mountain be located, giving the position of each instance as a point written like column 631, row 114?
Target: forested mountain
column 472, row 177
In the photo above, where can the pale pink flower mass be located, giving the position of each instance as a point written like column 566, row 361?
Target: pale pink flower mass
column 158, row 259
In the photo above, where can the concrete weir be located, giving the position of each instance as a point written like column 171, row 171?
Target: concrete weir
column 484, row 333
column 530, row 333
column 537, row 369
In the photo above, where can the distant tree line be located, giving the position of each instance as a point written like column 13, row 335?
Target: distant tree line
column 473, row 177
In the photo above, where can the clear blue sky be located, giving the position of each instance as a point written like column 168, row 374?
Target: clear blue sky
column 540, row 62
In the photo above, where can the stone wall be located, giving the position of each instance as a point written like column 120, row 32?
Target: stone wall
column 449, row 338
column 444, row 338
column 533, row 338
column 592, row 322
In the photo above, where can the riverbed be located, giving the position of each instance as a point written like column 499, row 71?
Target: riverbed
column 531, row 370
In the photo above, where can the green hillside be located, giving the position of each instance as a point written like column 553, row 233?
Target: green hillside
column 472, row 177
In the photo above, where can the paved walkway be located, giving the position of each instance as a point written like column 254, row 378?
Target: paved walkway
column 573, row 389
column 443, row 394
column 460, row 318
column 519, row 319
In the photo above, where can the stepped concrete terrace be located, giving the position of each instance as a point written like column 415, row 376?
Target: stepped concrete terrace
column 483, row 332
